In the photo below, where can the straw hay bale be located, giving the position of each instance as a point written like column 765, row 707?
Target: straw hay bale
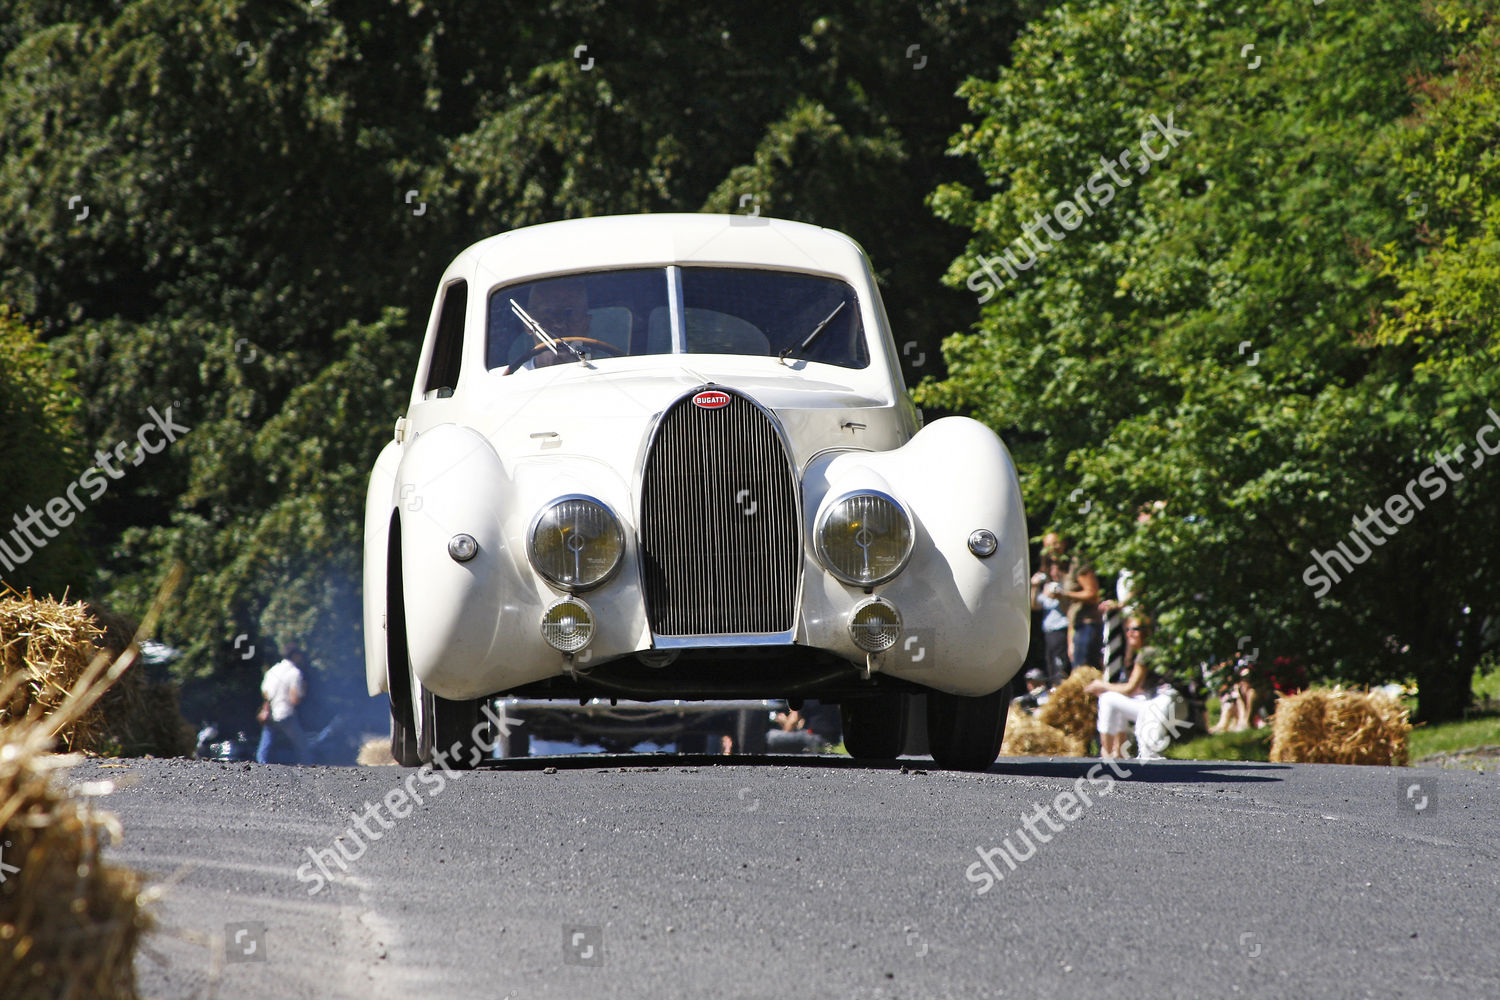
column 1072, row 711
column 376, row 753
column 1028, row 736
column 50, row 643
column 69, row 924
column 1322, row 726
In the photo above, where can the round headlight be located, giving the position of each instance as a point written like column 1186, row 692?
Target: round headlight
column 865, row 538
column 576, row 543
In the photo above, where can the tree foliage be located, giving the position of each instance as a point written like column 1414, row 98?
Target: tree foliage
column 272, row 191
column 40, row 456
column 1281, row 321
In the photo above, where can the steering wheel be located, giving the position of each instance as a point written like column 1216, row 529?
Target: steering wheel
column 589, row 341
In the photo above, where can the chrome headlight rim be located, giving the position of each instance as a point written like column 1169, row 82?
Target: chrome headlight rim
column 822, row 526
column 563, row 585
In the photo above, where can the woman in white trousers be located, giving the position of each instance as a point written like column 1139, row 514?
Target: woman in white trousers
column 1143, row 701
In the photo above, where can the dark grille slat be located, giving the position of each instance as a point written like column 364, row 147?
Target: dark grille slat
column 710, row 568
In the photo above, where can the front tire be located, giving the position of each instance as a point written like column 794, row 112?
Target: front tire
column 875, row 726
column 405, row 747
column 421, row 722
column 453, row 728
column 403, row 741
column 964, row 734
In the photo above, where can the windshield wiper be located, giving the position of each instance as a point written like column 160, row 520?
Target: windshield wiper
column 817, row 330
column 544, row 338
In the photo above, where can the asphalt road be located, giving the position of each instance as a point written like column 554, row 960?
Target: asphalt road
column 814, row 877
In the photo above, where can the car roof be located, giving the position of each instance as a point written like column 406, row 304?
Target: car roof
column 618, row 241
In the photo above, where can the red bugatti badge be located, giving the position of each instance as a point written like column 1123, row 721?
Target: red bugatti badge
column 711, row 399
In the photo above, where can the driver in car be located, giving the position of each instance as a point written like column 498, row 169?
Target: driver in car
column 562, row 309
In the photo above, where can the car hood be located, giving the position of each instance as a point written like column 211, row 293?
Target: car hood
column 607, row 413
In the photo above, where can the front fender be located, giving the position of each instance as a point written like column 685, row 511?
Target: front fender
column 378, row 500
column 967, row 620
column 473, row 628
column 450, row 481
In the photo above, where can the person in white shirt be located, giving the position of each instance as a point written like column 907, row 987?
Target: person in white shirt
column 283, row 689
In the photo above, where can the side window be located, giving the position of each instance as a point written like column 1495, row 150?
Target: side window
column 447, row 353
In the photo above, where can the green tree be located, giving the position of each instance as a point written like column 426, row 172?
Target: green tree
column 273, row 190
column 1203, row 336
column 40, row 457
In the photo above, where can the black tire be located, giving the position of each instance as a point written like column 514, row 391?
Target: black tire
column 874, row 727
column 397, row 666
column 455, row 728
column 964, row 734
column 420, row 720
column 403, row 742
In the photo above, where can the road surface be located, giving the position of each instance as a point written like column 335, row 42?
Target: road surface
column 661, row 876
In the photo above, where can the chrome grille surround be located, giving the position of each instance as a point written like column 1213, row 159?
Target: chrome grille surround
column 720, row 525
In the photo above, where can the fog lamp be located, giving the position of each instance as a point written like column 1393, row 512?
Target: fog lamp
column 568, row 625
column 875, row 625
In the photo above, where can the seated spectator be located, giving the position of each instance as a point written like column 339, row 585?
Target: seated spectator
column 1145, row 701
column 1246, row 689
column 1225, row 679
column 805, row 730
column 1037, row 691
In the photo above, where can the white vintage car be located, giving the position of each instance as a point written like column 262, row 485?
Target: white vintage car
column 668, row 457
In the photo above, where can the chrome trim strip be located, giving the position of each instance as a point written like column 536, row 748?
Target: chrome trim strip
column 786, row 638
column 675, row 314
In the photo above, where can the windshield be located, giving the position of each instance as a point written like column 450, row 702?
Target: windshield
column 724, row 310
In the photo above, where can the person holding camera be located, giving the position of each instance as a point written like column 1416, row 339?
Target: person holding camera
column 1047, row 596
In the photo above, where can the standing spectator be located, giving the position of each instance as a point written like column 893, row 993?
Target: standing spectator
column 283, row 689
column 1046, row 595
column 1144, row 700
column 1081, row 589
